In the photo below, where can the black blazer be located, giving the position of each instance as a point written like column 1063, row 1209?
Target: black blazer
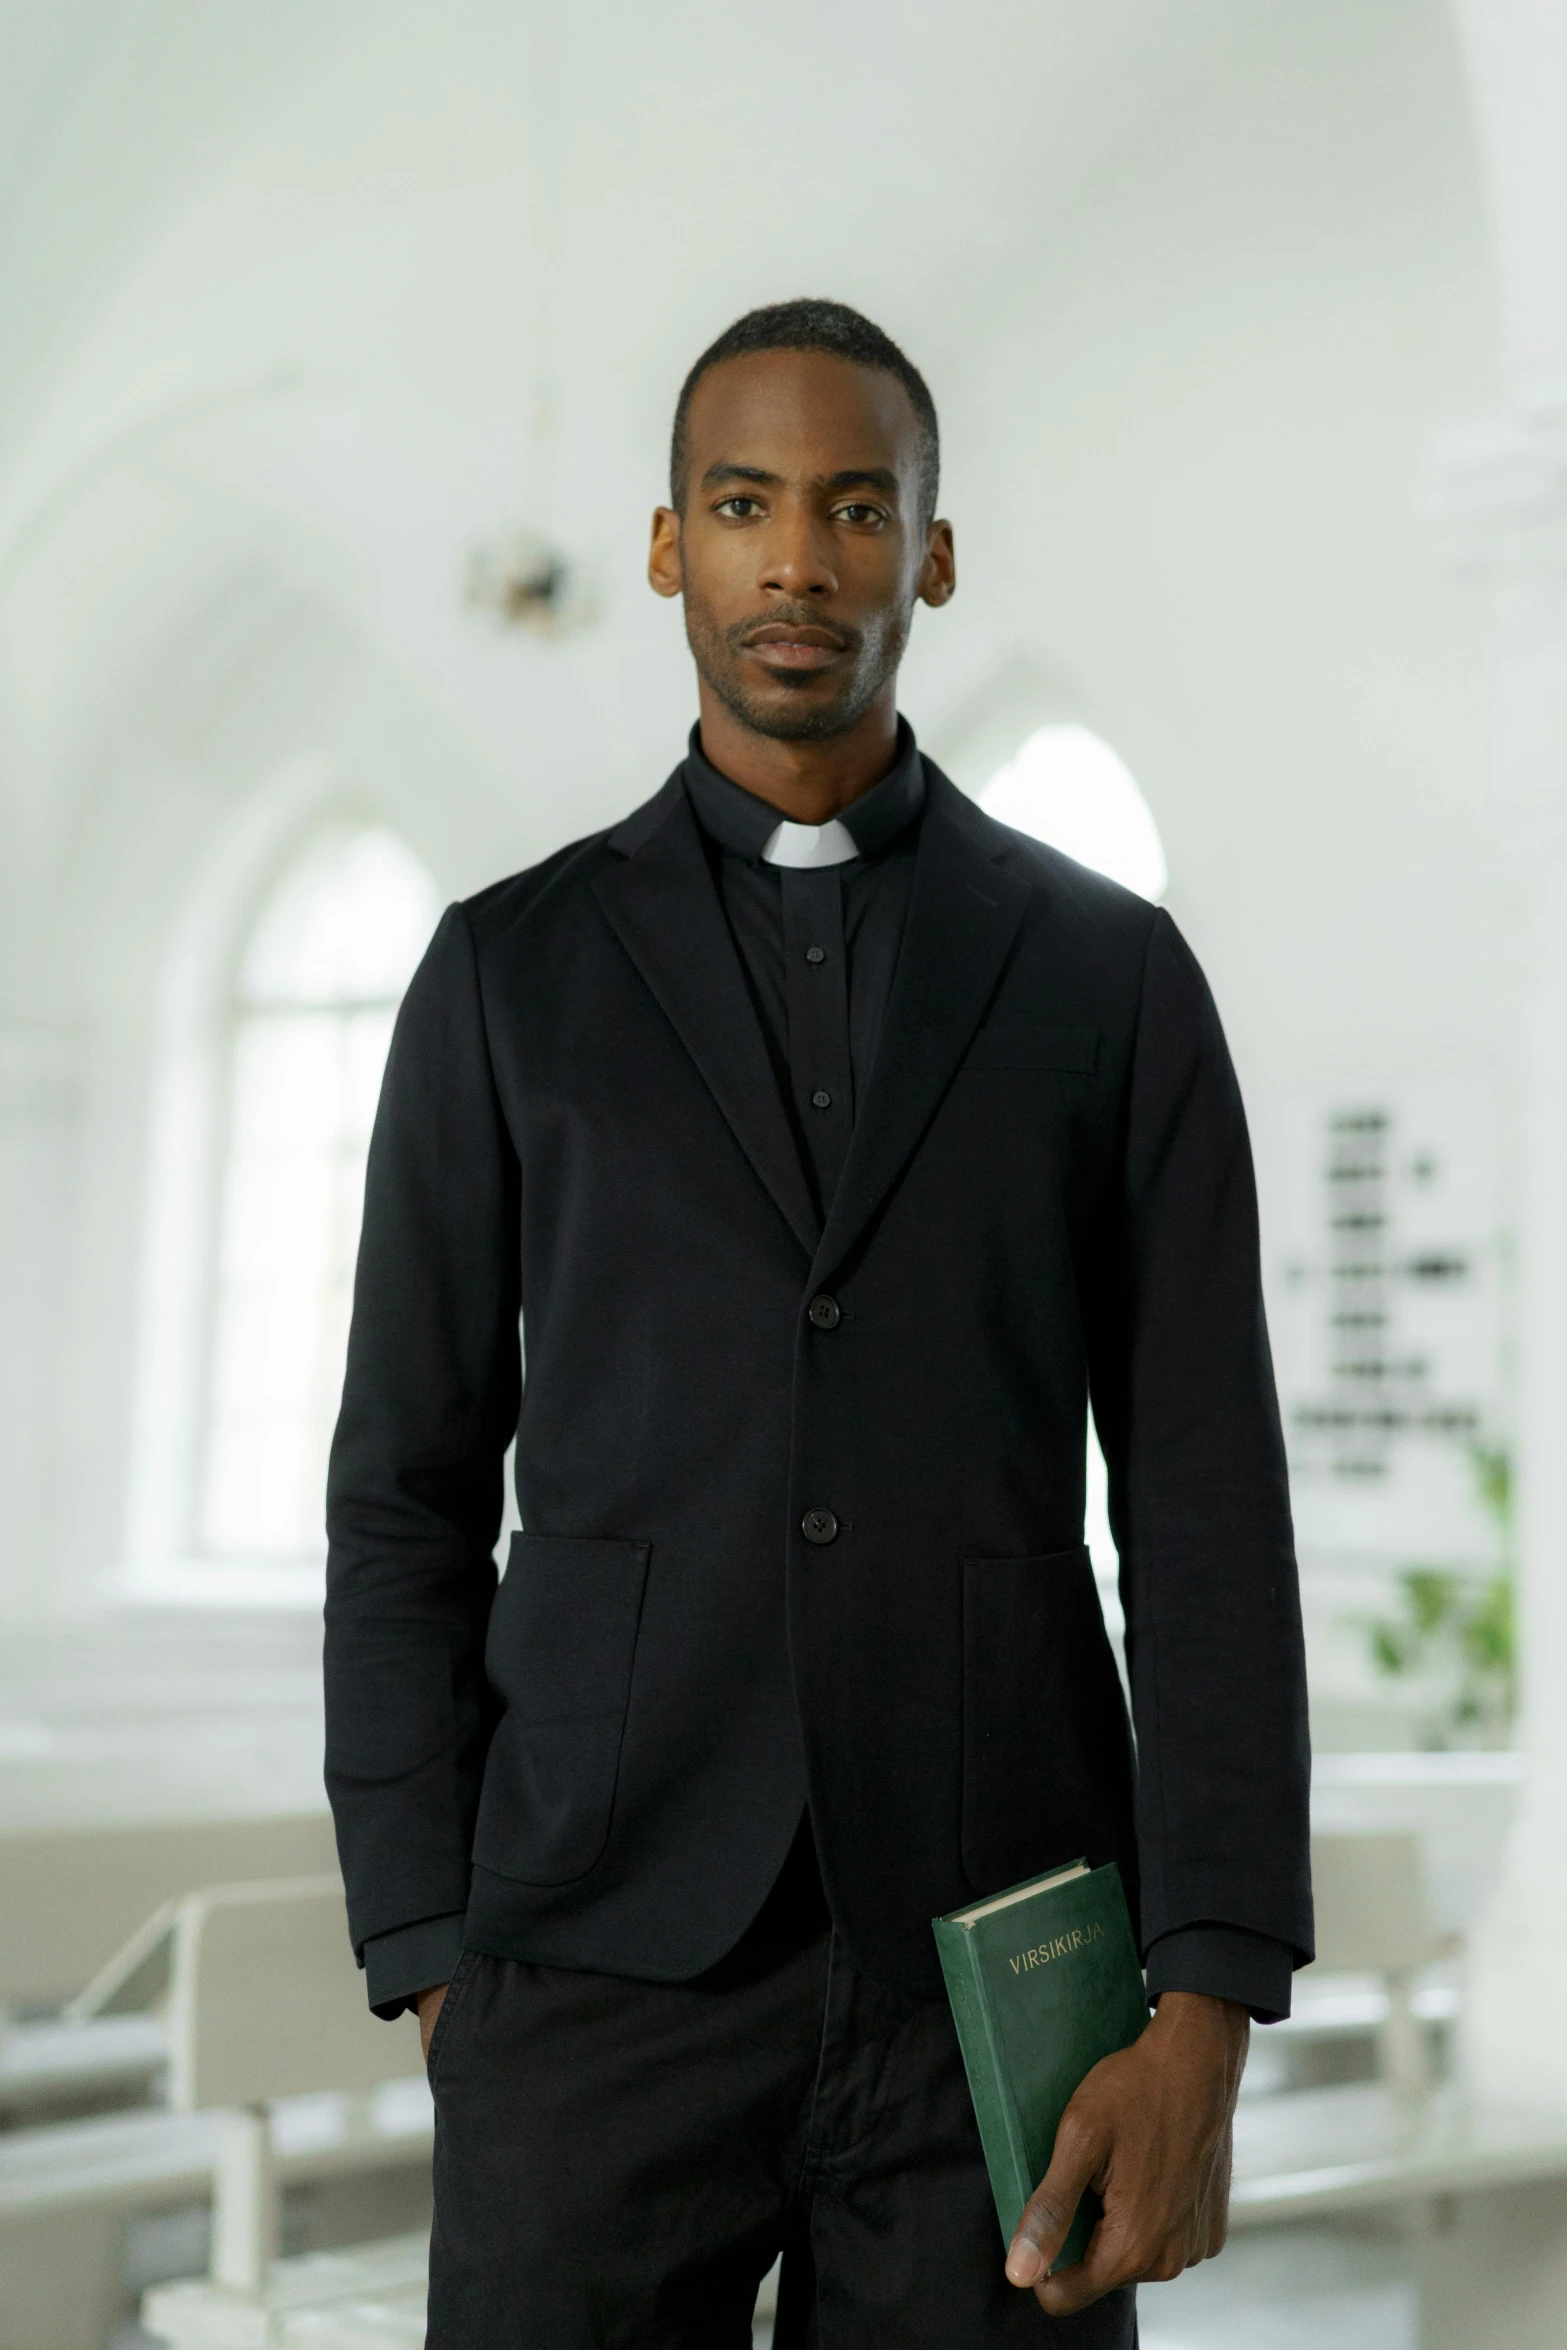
column 775, row 1554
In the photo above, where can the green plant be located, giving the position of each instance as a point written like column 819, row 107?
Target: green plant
column 1493, row 1470
column 1458, row 1630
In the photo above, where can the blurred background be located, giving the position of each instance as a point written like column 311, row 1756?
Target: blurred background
column 338, row 344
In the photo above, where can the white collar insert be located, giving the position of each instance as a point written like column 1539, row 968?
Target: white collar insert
column 807, row 846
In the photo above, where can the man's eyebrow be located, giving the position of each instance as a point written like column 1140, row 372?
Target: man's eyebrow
column 724, row 471
column 871, row 477
column 851, row 477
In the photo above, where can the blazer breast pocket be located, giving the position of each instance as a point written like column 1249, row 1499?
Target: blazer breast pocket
column 1020, row 1044
column 559, row 1652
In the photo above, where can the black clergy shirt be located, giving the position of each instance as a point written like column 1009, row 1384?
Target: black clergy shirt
column 818, row 946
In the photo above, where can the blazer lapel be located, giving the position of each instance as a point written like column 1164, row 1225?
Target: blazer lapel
column 964, row 911
column 662, row 905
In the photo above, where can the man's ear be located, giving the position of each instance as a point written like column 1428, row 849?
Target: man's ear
column 664, row 574
column 939, row 571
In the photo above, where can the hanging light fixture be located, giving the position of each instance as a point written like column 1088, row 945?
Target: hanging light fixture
column 524, row 578
column 524, row 581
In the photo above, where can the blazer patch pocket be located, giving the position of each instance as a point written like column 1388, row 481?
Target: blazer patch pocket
column 559, row 1653
column 1018, row 1044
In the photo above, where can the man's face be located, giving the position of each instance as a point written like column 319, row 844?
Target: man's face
column 802, row 548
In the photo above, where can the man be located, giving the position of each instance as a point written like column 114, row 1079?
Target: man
column 832, row 1143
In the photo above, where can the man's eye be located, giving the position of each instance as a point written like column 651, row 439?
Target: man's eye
column 738, row 506
column 858, row 513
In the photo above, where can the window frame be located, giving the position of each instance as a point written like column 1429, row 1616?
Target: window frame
column 165, row 1560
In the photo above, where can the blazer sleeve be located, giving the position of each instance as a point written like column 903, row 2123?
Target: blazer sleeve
column 414, row 1491
column 1187, row 1414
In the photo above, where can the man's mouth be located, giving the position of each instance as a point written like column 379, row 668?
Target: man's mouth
column 784, row 644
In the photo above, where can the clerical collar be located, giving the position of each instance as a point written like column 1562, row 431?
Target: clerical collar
column 750, row 827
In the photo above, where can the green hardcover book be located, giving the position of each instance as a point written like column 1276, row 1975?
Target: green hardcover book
column 1044, row 1981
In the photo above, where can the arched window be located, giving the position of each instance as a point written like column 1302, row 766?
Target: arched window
column 317, row 988
column 1066, row 786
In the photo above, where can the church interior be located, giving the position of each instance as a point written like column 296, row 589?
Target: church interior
column 341, row 339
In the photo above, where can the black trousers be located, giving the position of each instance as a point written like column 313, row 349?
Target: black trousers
column 618, row 2164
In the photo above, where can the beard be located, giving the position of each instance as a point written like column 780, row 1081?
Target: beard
column 778, row 706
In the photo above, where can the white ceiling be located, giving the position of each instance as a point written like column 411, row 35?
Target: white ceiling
column 411, row 202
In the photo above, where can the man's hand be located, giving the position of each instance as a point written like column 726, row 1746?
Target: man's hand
column 430, row 2004
column 1150, row 2130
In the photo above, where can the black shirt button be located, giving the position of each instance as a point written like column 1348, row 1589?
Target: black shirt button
column 819, row 1526
column 821, row 1099
column 825, row 1312
column 816, row 954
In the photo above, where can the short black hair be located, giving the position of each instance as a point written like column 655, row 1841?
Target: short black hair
column 810, row 324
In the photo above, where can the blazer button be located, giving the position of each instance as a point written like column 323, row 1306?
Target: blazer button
column 819, row 1526
column 825, row 1312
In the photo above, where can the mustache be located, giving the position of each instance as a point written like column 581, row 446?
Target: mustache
column 788, row 615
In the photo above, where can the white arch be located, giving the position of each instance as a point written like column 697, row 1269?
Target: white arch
column 232, row 954
column 1065, row 785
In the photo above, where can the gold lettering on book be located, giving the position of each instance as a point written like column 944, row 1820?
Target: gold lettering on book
column 1060, row 1946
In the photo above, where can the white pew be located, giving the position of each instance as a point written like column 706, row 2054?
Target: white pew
column 1373, row 1917
column 1320, row 2153
column 394, row 2322
column 67, row 2192
column 264, row 2002
column 1374, row 1980
column 1481, row 2191
column 68, row 1895
column 52, row 2068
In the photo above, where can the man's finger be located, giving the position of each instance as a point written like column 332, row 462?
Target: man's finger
column 1041, row 2232
column 429, row 2005
column 1110, row 2261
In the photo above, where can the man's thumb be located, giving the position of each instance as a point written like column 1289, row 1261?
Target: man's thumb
column 1048, row 2215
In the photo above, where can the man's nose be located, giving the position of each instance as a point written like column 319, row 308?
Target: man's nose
column 797, row 558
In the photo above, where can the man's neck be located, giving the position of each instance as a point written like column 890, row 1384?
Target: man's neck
column 808, row 782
